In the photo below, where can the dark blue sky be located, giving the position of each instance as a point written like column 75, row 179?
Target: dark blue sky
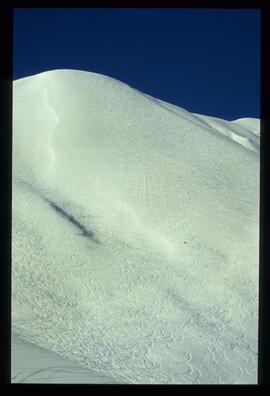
column 204, row 60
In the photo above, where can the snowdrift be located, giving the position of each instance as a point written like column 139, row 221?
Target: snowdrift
column 135, row 232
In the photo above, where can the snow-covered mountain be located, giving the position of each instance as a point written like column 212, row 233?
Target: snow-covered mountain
column 135, row 232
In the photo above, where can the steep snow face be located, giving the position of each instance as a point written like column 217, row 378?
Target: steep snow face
column 135, row 232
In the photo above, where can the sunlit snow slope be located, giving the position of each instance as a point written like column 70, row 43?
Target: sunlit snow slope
column 135, row 232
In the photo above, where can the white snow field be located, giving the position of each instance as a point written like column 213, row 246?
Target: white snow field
column 32, row 364
column 135, row 232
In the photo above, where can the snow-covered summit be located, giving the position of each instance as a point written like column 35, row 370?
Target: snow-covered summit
column 135, row 231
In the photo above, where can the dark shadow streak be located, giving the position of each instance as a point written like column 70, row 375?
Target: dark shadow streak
column 84, row 231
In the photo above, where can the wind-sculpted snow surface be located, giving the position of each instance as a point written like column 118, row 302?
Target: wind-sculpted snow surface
column 135, row 232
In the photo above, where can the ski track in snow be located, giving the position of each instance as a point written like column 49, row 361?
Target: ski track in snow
column 134, row 250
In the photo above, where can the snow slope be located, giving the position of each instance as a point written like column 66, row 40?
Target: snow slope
column 31, row 364
column 135, row 232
